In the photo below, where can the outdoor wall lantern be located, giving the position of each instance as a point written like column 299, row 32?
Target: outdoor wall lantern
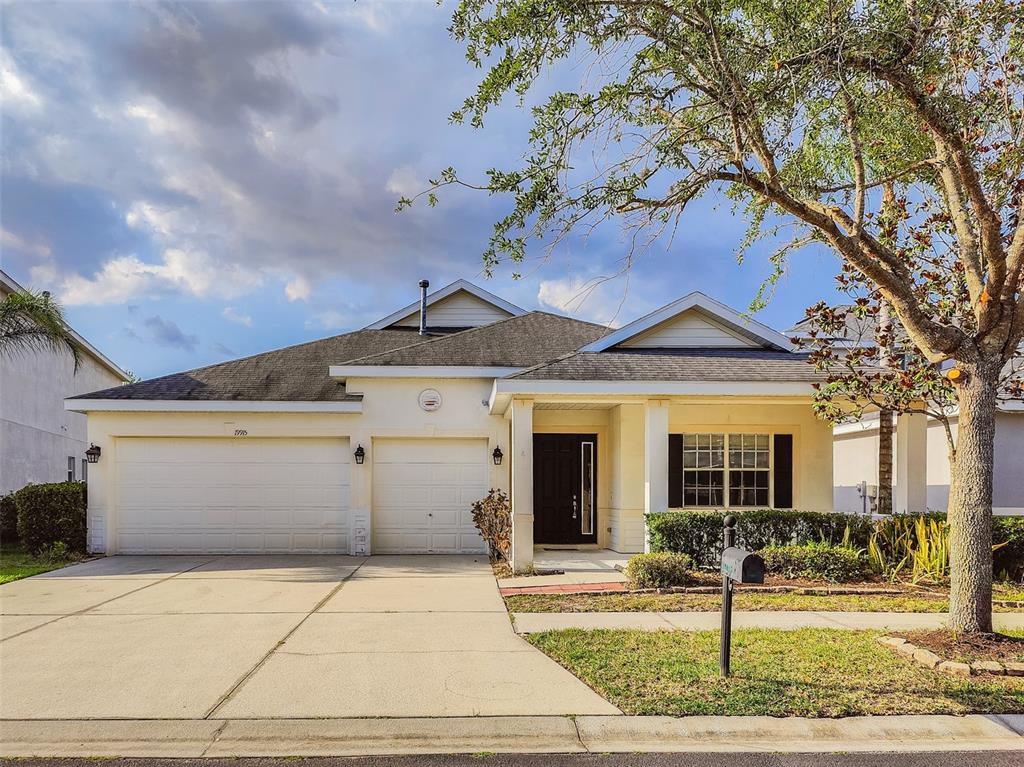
column 92, row 455
column 360, row 455
column 497, row 455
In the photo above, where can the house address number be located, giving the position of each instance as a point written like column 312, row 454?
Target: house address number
column 241, row 433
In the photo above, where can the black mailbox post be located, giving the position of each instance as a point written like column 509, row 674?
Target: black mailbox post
column 739, row 566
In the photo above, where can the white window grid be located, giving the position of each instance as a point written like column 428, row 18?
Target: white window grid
column 727, row 470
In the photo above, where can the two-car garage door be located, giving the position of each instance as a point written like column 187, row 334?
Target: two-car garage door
column 232, row 495
column 247, row 494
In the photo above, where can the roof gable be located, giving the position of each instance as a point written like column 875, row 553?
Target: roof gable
column 459, row 305
column 516, row 342
column 694, row 321
column 689, row 329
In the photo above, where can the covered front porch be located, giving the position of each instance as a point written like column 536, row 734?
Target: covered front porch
column 587, row 468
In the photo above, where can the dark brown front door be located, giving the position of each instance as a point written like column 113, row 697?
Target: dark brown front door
column 565, row 488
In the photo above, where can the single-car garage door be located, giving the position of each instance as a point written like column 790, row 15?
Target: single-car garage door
column 232, row 495
column 422, row 495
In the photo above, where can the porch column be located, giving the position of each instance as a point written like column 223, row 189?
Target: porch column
column 522, row 484
column 655, row 462
column 911, row 491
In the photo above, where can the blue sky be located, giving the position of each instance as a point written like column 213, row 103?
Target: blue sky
column 196, row 182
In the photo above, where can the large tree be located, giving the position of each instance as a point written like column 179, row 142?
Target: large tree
column 800, row 111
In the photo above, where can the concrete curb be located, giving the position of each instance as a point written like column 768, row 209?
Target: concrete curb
column 527, row 734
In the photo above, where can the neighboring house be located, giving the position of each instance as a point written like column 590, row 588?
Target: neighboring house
column 921, row 468
column 922, row 460
column 41, row 441
column 377, row 441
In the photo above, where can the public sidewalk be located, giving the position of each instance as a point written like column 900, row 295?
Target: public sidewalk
column 522, row 734
column 531, row 623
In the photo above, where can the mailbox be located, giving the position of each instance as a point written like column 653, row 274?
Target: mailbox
column 742, row 566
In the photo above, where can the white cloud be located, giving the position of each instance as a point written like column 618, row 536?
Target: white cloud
column 298, row 289
column 404, row 182
column 127, row 277
column 14, row 88
column 231, row 315
column 330, row 320
column 13, row 241
column 596, row 299
column 160, row 121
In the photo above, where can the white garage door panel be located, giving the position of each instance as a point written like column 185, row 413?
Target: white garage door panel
column 232, row 495
column 422, row 493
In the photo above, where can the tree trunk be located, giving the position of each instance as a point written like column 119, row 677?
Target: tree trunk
column 884, row 502
column 970, row 503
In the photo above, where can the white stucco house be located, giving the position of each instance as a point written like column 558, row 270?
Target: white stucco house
column 921, row 471
column 377, row 441
column 920, row 460
column 41, row 441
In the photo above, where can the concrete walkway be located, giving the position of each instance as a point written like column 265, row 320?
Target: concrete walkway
column 530, row 623
column 530, row 734
column 578, row 566
column 196, row 638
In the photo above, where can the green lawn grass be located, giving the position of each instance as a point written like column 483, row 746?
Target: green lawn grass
column 806, row 672
column 16, row 563
column 743, row 600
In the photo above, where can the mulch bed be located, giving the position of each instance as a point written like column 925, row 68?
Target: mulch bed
column 968, row 648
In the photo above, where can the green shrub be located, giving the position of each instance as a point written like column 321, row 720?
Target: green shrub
column 914, row 546
column 814, row 560
column 50, row 514
column 1008, row 559
column 8, row 519
column 699, row 533
column 660, row 570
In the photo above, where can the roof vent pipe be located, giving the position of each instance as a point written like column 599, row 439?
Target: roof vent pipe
column 424, row 284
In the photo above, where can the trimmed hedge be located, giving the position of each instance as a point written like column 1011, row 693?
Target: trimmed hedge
column 659, row 570
column 1008, row 560
column 53, row 513
column 8, row 519
column 699, row 533
column 814, row 560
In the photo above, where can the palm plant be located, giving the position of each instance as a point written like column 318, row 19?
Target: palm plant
column 31, row 322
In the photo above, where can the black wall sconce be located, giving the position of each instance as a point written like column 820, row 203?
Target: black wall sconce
column 360, row 455
column 92, row 455
column 497, row 455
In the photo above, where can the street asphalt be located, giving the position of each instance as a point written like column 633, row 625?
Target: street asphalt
column 941, row 759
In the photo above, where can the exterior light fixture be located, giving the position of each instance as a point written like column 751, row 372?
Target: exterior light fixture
column 497, row 455
column 92, row 455
column 360, row 455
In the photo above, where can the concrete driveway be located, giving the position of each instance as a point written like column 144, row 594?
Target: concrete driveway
column 272, row 637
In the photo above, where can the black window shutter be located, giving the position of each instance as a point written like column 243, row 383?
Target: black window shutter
column 675, row 471
column 783, row 471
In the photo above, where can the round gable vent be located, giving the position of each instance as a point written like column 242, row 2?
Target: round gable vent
column 430, row 400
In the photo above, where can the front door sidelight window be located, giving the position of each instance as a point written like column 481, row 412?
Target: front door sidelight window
column 586, row 488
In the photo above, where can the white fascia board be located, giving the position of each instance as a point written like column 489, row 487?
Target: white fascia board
column 444, row 292
column 695, row 300
column 654, row 388
column 420, row 371
column 208, row 406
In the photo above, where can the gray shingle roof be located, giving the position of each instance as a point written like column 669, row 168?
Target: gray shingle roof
column 529, row 339
column 295, row 373
column 676, row 365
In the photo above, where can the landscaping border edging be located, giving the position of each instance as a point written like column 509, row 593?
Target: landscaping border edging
column 925, row 657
